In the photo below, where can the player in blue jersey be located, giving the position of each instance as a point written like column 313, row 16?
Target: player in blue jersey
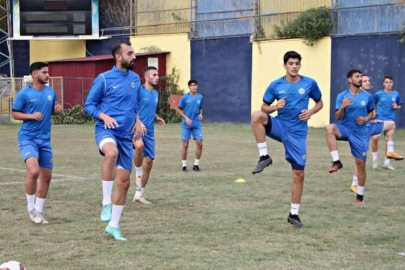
column 190, row 109
column 144, row 152
column 387, row 102
column 112, row 101
column 374, row 127
column 354, row 108
column 34, row 105
column 292, row 93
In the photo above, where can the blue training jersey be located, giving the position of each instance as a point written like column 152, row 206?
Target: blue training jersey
column 296, row 99
column 361, row 106
column 147, row 105
column 115, row 93
column 191, row 106
column 384, row 101
column 29, row 101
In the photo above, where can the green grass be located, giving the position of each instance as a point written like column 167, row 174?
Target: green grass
column 205, row 220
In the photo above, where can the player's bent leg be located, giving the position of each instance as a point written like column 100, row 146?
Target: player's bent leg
column 355, row 183
column 332, row 134
column 262, row 125
column 33, row 172
column 361, row 169
column 184, row 155
column 110, row 160
column 296, row 194
column 198, row 153
column 374, row 149
column 138, row 157
column 146, row 167
column 259, row 121
column 42, row 192
column 389, row 128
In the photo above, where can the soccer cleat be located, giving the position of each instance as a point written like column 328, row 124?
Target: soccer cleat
column 143, row 200
column 389, row 167
column 393, row 155
column 32, row 213
column 353, row 189
column 337, row 165
column 196, row 168
column 295, row 220
column 375, row 165
column 264, row 161
column 106, row 213
column 115, row 233
column 359, row 199
column 39, row 218
column 359, row 202
column 184, row 168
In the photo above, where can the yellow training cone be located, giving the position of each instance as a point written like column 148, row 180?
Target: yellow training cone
column 240, row 180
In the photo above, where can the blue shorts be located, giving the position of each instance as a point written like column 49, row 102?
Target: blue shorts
column 374, row 129
column 358, row 144
column 295, row 146
column 124, row 146
column 187, row 131
column 41, row 149
column 148, row 145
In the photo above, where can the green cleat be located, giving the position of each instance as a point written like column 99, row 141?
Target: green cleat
column 115, row 233
column 106, row 213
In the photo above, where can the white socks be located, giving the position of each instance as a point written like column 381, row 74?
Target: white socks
column 39, row 205
column 386, row 161
column 375, row 156
column 107, row 191
column 262, row 149
column 139, row 193
column 30, row 202
column 116, row 216
column 138, row 171
column 390, row 146
column 360, row 190
column 355, row 181
column 196, row 162
column 184, row 162
column 295, row 208
column 335, row 155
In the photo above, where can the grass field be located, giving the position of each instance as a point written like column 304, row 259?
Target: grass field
column 205, row 220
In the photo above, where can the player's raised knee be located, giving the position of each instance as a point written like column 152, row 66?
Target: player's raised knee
column 330, row 129
column 258, row 117
column 111, row 154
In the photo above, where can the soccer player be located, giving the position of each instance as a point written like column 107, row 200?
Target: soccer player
column 374, row 127
column 290, row 127
column 34, row 105
column 190, row 109
column 144, row 152
column 354, row 108
column 112, row 101
column 387, row 102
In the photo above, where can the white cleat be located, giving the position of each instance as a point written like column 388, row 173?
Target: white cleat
column 33, row 214
column 389, row 167
column 375, row 165
column 39, row 219
column 143, row 200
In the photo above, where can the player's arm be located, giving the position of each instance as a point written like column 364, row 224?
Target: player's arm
column 200, row 115
column 183, row 115
column 343, row 102
column 397, row 104
column 306, row 114
column 17, row 115
column 160, row 121
column 268, row 98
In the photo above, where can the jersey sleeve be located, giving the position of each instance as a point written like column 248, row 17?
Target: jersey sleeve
column 93, row 99
column 19, row 102
column 339, row 101
column 182, row 102
column 269, row 95
column 370, row 104
column 399, row 100
column 315, row 93
column 376, row 98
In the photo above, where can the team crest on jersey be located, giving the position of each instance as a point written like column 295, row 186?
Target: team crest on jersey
column 301, row 91
column 132, row 84
column 281, row 92
column 198, row 101
column 49, row 97
column 393, row 99
column 363, row 103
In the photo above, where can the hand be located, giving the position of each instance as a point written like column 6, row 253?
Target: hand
column 189, row 122
column 280, row 103
column 140, row 130
column 37, row 116
column 109, row 122
column 161, row 122
column 361, row 120
column 305, row 115
column 57, row 108
column 200, row 117
column 346, row 102
column 395, row 106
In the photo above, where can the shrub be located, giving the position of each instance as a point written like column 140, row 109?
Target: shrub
column 311, row 25
column 74, row 115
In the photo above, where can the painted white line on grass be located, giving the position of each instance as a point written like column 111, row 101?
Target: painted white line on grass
column 52, row 181
column 53, row 174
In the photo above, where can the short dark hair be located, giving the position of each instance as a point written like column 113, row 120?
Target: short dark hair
column 362, row 75
column 37, row 66
column 117, row 49
column 192, row 81
column 353, row 71
column 291, row 54
column 388, row 77
column 148, row 68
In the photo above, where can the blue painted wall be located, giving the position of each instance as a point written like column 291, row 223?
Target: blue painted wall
column 222, row 9
column 102, row 47
column 373, row 55
column 223, row 69
column 21, row 49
